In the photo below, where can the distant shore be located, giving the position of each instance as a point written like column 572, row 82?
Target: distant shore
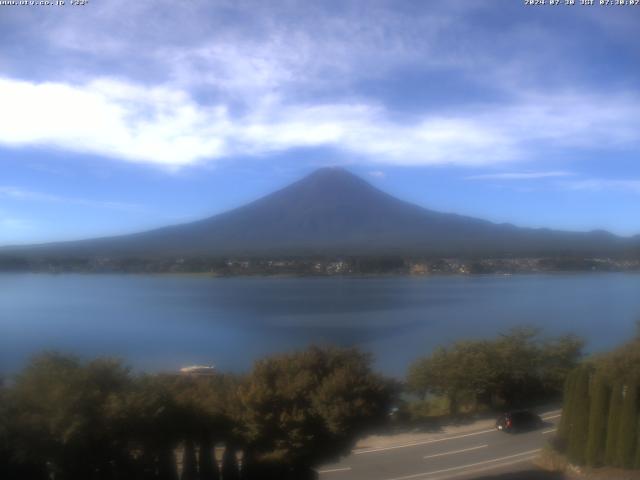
column 321, row 267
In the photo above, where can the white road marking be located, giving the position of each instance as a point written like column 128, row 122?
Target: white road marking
column 426, row 442
column 456, row 451
column 333, row 470
column 551, row 430
column 444, row 470
column 552, row 412
column 484, row 469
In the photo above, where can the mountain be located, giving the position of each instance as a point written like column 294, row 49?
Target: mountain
column 334, row 212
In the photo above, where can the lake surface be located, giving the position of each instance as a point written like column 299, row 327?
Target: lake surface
column 165, row 322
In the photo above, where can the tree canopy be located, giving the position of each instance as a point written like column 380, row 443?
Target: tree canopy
column 514, row 368
column 307, row 407
column 94, row 420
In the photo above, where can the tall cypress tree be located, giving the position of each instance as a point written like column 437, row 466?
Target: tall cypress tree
column 600, row 395
column 248, row 470
column 628, row 427
column 230, row 470
column 567, row 407
column 208, row 467
column 613, row 423
column 189, row 462
column 167, row 469
column 579, row 427
column 637, row 460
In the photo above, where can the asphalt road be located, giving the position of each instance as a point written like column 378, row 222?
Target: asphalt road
column 464, row 455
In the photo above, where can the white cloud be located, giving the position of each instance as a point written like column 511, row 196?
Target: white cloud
column 596, row 184
column 13, row 224
column 277, row 77
column 30, row 195
column 519, row 175
column 109, row 118
column 377, row 174
column 166, row 126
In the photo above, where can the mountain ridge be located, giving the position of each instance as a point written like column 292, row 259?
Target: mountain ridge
column 332, row 211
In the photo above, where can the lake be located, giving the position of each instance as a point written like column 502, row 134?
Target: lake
column 164, row 322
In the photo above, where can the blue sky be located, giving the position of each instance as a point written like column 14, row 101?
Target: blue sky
column 120, row 116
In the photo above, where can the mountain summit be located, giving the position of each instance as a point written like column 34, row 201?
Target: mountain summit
column 332, row 211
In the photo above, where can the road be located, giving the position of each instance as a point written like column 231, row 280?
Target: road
column 455, row 456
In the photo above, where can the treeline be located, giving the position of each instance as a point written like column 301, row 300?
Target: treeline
column 518, row 368
column 65, row 419
column 601, row 411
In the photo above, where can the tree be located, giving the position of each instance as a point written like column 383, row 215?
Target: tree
column 627, row 430
column 559, row 356
column 59, row 407
column 636, row 463
column 564, row 428
column 250, row 469
column 579, row 416
column 304, row 408
column 518, row 367
column 189, row 462
column 613, row 424
column 207, row 465
column 463, row 370
column 230, row 468
column 600, row 395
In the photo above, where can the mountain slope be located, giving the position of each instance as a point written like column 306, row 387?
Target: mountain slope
column 333, row 211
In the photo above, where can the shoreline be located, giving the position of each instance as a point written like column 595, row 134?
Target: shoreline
column 361, row 276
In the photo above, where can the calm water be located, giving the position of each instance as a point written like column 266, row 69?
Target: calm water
column 164, row 322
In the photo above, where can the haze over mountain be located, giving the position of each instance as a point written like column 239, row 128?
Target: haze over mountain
column 333, row 212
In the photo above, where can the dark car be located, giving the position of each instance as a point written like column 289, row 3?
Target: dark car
column 519, row 421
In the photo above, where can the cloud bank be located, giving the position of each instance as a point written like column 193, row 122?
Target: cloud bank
column 396, row 83
column 168, row 127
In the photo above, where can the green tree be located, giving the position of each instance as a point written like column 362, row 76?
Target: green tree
column 461, row 371
column 627, row 430
column 518, row 367
column 304, row 408
column 636, row 463
column 207, row 465
column 250, row 469
column 155, row 423
column 59, row 414
column 230, row 468
column 600, row 395
column 613, row 423
column 564, row 427
column 189, row 462
column 579, row 418
column 558, row 357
